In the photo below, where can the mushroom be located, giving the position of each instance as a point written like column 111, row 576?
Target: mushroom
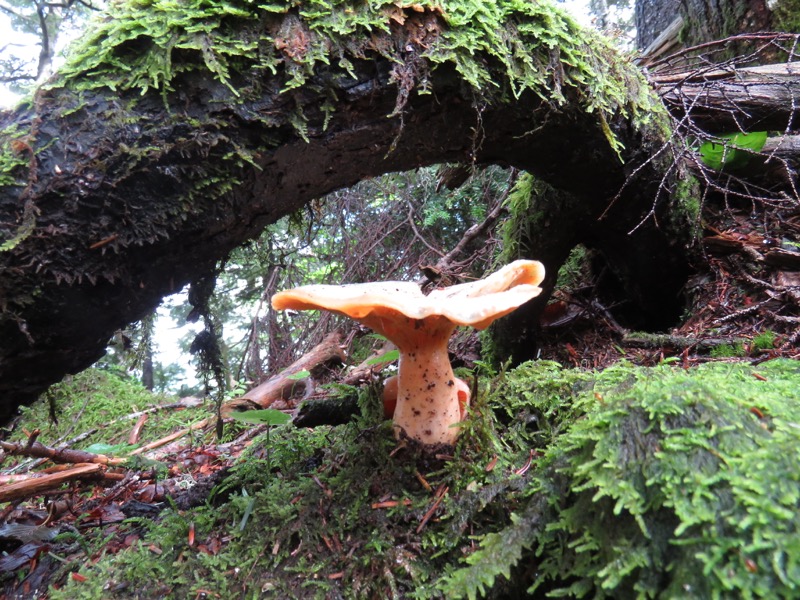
column 430, row 400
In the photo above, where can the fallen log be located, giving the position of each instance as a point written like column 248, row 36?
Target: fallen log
column 286, row 384
column 732, row 99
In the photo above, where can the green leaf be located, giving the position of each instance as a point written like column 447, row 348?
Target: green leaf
column 268, row 416
column 102, row 448
column 733, row 151
column 299, row 375
column 386, row 357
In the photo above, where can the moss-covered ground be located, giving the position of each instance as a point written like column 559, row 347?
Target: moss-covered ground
column 101, row 406
column 630, row 482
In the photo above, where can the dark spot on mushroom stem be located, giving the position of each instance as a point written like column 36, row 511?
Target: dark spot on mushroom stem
column 431, row 385
column 428, row 432
column 450, row 383
column 416, row 412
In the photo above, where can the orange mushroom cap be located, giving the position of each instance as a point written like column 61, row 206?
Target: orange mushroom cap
column 476, row 303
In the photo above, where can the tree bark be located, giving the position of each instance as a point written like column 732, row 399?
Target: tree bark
column 700, row 20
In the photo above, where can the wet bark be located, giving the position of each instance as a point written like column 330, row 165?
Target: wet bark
column 745, row 99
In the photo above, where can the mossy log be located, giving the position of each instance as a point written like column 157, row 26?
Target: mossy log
column 177, row 132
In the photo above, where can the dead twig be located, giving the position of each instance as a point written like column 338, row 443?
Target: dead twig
column 440, row 494
column 38, row 485
column 64, row 455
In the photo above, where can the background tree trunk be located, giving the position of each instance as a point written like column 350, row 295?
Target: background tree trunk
column 663, row 26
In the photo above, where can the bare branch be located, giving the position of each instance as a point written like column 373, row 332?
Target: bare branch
column 478, row 229
column 417, row 234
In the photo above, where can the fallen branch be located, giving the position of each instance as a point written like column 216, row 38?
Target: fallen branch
column 735, row 98
column 65, row 455
column 678, row 342
column 171, row 437
column 38, row 485
column 775, row 257
column 283, row 386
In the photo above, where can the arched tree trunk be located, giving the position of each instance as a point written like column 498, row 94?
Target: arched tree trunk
column 163, row 146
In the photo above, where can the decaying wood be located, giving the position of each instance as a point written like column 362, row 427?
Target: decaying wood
column 38, row 485
column 326, row 411
column 64, row 455
column 678, row 342
column 283, row 386
column 340, row 409
column 732, row 99
column 775, row 257
column 114, row 226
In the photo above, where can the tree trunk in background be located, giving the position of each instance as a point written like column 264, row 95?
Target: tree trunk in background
column 652, row 18
column 702, row 20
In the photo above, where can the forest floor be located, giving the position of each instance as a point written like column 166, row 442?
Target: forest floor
column 745, row 307
column 744, row 301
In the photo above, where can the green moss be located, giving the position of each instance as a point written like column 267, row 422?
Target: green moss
column 631, row 482
column 100, row 402
column 687, row 197
column 15, row 157
column 160, row 48
column 527, row 216
column 728, row 351
column 763, row 341
column 674, row 483
column 576, row 269
column 146, row 45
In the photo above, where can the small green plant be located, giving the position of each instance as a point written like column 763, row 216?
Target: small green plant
column 728, row 351
column 267, row 416
column 763, row 341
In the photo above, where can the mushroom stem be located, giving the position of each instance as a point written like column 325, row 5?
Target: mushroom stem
column 429, row 397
